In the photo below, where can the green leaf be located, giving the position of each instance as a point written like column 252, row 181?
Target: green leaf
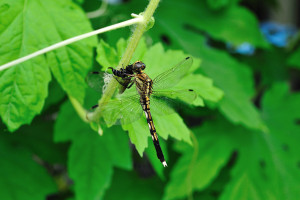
column 172, row 125
column 128, row 185
column 205, row 88
column 165, row 60
column 56, row 94
column 21, row 176
column 91, row 157
column 38, row 139
column 219, row 4
column 235, row 79
column 23, row 92
column 90, row 167
column 294, row 58
column 27, row 26
column 195, row 16
column 268, row 164
column 243, row 24
column 106, row 56
column 199, row 165
column 165, row 125
column 273, row 61
column 138, row 133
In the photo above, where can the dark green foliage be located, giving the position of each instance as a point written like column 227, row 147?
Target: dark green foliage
column 237, row 140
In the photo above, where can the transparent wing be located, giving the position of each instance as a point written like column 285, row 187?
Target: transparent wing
column 172, row 76
column 164, row 102
column 125, row 110
column 96, row 80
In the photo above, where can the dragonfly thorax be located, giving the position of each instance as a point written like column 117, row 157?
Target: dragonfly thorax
column 143, row 84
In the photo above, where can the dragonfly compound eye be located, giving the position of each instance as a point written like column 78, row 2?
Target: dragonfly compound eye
column 139, row 65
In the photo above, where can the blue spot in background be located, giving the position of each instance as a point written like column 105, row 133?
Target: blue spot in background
column 277, row 34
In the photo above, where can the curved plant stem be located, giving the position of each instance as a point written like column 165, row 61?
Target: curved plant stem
column 133, row 42
column 79, row 109
column 71, row 40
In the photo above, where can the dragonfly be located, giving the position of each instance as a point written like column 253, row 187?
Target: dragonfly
column 157, row 91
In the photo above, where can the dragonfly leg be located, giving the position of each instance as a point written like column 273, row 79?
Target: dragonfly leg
column 94, row 106
column 124, row 85
column 129, row 75
column 129, row 86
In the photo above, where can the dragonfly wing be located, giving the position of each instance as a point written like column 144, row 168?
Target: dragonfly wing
column 160, row 105
column 162, row 102
column 124, row 110
column 95, row 80
column 186, row 95
column 172, row 76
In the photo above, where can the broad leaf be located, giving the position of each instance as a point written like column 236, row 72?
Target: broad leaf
column 268, row 164
column 107, row 56
column 21, row 176
column 196, row 16
column 38, row 139
column 294, row 58
column 269, row 64
column 200, row 164
column 128, row 186
column 91, row 157
column 236, row 80
column 27, row 26
column 219, row 4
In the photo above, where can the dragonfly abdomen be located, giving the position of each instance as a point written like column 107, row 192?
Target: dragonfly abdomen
column 160, row 155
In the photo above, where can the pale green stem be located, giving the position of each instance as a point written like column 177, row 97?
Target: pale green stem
column 71, row 40
column 79, row 109
column 133, row 42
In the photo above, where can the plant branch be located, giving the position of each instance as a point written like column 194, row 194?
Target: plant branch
column 133, row 42
column 78, row 108
column 71, row 40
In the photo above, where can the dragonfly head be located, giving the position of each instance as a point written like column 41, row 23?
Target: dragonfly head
column 138, row 66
